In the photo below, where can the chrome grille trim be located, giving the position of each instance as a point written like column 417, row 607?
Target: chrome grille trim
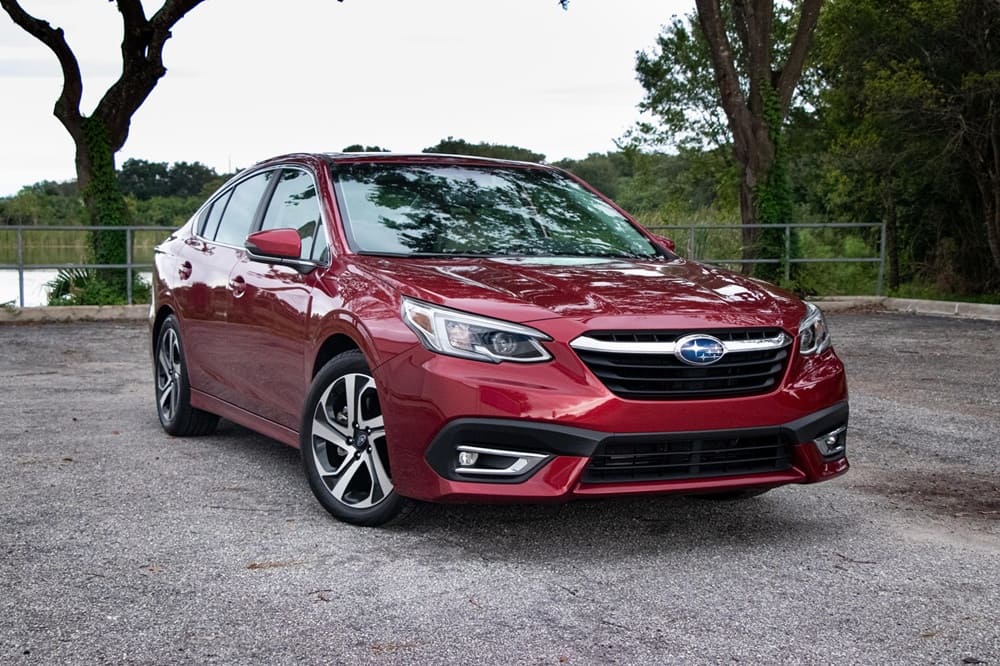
column 587, row 343
column 645, row 365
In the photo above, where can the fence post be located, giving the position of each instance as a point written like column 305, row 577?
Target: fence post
column 691, row 253
column 128, row 268
column 20, row 267
column 788, row 253
column 881, row 262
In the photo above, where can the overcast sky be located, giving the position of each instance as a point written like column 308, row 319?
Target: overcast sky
column 249, row 79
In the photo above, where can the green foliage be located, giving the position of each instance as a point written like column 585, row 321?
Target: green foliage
column 78, row 286
column 910, row 106
column 106, row 206
column 605, row 171
column 923, row 290
column 44, row 203
column 666, row 188
column 453, row 146
column 773, row 199
column 145, row 180
column 163, row 211
column 358, row 148
column 681, row 92
column 835, row 279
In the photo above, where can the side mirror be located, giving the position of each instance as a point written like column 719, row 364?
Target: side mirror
column 274, row 244
column 666, row 242
column 278, row 246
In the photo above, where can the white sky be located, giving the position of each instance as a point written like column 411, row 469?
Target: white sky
column 247, row 80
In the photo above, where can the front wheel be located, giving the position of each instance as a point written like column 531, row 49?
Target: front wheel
column 342, row 440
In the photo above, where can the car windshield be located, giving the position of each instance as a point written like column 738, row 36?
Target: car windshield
column 434, row 210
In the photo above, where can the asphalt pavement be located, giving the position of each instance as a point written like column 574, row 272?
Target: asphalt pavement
column 120, row 544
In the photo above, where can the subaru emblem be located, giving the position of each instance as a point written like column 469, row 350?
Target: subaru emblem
column 699, row 349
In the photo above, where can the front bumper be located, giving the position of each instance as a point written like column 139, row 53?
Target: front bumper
column 562, row 420
column 571, row 459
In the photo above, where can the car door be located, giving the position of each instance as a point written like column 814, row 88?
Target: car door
column 212, row 354
column 270, row 315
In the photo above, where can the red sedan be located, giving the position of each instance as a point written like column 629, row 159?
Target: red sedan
column 442, row 328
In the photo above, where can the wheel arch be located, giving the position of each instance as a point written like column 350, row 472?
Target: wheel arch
column 334, row 345
column 161, row 316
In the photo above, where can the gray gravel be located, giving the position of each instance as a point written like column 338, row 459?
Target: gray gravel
column 121, row 544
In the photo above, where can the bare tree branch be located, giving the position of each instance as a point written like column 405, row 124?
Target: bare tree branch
column 67, row 106
column 791, row 72
column 142, row 63
column 173, row 11
column 733, row 101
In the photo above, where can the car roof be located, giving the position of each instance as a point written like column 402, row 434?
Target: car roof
column 400, row 158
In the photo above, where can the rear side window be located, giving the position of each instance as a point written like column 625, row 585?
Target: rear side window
column 210, row 221
column 243, row 204
column 294, row 205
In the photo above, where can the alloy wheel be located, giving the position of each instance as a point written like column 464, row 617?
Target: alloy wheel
column 168, row 374
column 348, row 442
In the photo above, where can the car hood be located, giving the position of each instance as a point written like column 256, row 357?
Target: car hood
column 533, row 289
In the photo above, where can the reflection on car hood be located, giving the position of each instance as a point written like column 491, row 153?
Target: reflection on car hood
column 531, row 289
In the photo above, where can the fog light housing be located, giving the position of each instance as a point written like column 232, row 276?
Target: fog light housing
column 496, row 463
column 833, row 443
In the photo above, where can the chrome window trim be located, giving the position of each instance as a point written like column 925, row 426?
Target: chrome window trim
column 585, row 343
column 228, row 187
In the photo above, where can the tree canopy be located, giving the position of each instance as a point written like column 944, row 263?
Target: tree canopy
column 453, row 146
column 727, row 74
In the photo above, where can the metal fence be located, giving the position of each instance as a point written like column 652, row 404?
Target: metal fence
column 688, row 246
column 130, row 266
column 684, row 235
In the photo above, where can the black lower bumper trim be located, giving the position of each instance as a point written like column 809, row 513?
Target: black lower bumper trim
column 556, row 440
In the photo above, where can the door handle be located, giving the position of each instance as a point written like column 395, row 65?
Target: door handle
column 185, row 270
column 238, row 285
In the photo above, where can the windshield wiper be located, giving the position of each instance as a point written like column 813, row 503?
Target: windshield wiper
column 432, row 255
column 601, row 255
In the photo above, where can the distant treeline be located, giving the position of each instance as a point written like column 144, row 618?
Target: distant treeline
column 662, row 188
column 688, row 187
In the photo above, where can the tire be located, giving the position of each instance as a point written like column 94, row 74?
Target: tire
column 343, row 445
column 173, row 391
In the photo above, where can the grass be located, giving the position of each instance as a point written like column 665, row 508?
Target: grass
column 930, row 293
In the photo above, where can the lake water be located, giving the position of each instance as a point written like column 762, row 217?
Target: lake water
column 35, row 291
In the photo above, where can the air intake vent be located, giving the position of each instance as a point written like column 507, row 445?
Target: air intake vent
column 671, row 459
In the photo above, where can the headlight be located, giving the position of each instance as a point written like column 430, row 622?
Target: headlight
column 814, row 336
column 470, row 336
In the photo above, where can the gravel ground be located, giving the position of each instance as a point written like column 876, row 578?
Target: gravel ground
column 121, row 544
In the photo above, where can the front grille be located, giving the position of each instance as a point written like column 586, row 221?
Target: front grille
column 649, row 459
column 662, row 376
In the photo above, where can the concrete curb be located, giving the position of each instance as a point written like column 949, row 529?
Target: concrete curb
column 828, row 304
column 910, row 305
column 67, row 313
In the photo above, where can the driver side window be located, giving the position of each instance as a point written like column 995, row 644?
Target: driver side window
column 295, row 205
column 241, row 209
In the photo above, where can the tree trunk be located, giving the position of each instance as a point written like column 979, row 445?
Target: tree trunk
column 755, row 114
column 98, row 137
column 98, row 182
column 991, row 216
column 991, row 198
